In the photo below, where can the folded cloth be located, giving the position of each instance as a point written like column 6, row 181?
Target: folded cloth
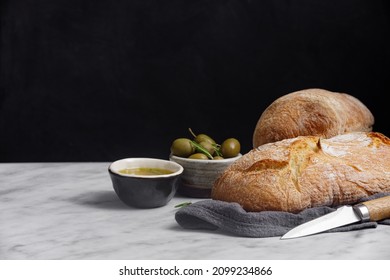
column 230, row 217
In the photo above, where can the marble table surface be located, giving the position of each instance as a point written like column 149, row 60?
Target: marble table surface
column 69, row 211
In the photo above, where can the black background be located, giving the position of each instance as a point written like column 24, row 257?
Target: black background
column 98, row 80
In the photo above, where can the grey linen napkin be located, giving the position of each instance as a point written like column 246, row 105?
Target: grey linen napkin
column 230, row 217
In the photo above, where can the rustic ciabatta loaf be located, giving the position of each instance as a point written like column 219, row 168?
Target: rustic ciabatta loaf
column 315, row 112
column 307, row 171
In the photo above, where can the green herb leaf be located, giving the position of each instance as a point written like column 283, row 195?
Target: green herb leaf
column 183, row 204
column 218, row 150
column 200, row 149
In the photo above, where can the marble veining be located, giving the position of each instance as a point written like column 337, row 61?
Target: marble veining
column 70, row 211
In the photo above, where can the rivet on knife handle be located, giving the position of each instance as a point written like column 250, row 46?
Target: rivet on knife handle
column 374, row 210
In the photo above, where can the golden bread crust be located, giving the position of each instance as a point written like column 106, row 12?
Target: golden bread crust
column 315, row 112
column 308, row 171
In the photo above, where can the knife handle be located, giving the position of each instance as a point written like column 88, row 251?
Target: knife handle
column 378, row 209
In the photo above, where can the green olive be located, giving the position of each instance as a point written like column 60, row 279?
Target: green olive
column 208, row 146
column 230, row 147
column 182, row 147
column 198, row 156
column 217, row 158
column 204, row 138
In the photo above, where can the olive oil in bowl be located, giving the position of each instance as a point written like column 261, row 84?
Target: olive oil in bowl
column 145, row 171
column 145, row 182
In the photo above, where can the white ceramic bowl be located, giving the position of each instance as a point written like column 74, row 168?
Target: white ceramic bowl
column 199, row 175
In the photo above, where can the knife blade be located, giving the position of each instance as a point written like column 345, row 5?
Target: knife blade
column 373, row 210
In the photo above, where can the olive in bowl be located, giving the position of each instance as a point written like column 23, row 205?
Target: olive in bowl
column 199, row 175
column 145, row 182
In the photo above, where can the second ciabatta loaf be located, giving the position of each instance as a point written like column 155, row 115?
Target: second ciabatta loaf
column 312, row 111
column 307, row 171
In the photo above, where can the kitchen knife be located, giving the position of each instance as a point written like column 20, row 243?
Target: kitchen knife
column 373, row 210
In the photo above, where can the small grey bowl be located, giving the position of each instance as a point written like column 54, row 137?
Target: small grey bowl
column 199, row 175
column 145, row 191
